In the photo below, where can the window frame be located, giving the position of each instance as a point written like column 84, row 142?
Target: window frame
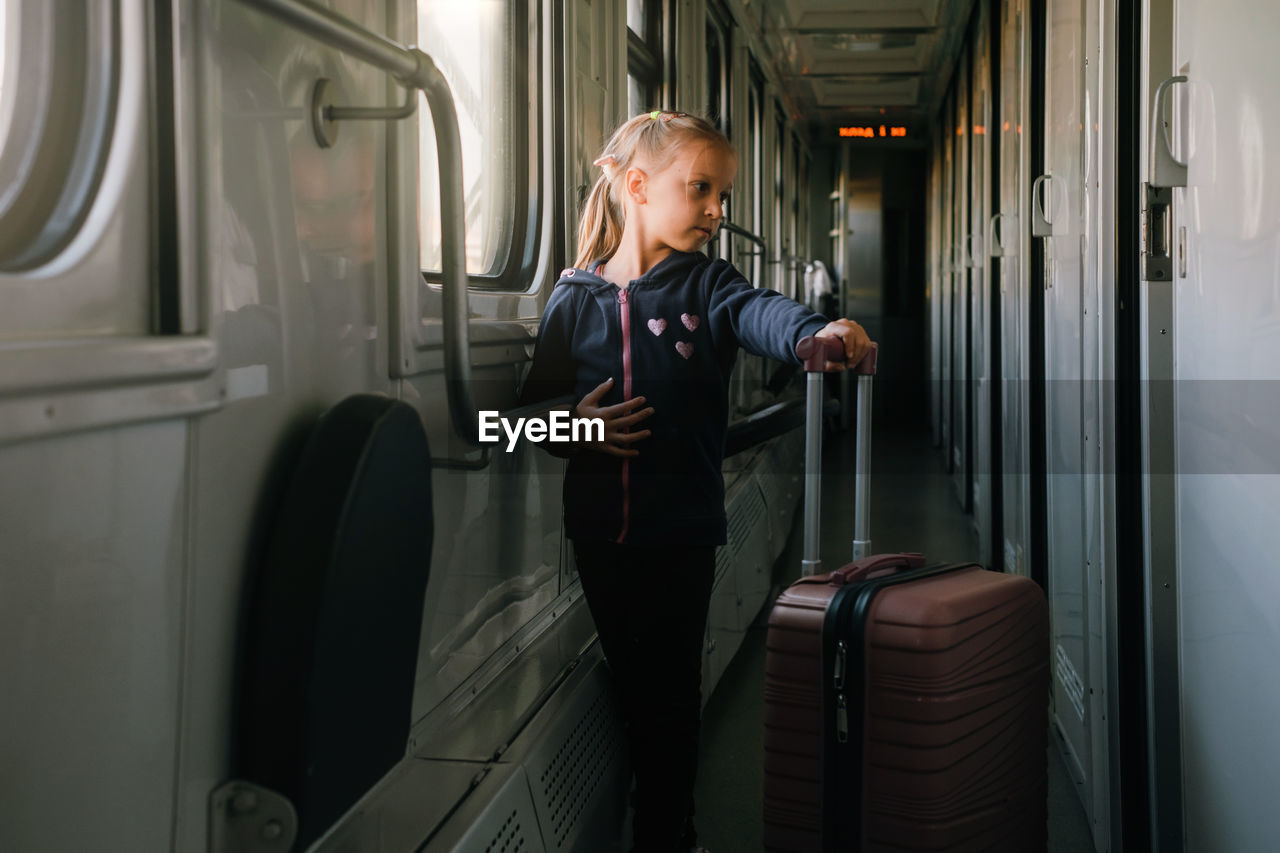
column 779, row 181
column 719, row 28
column 754, row 161
column 646, row 56
column 52, row 162
column 62, row 377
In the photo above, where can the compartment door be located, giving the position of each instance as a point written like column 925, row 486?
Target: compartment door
column 980, row 462
column 1010, row 257
column 1212, row 534
column 1074, row 625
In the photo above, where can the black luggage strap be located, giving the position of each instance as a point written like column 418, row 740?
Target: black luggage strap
column 844, row 672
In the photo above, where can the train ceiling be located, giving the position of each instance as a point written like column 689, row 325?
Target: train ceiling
column 864, row 62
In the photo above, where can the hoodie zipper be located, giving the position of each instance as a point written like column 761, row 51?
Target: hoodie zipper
column 625, row 320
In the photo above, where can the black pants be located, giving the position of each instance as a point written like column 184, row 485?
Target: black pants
column 650, row 609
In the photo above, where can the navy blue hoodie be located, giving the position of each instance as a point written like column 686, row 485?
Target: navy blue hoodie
column 672, row 337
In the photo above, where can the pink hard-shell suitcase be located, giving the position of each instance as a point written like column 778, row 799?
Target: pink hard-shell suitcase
column 905, row 704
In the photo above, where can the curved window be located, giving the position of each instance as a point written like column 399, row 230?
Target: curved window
column 58, row 74
column 8, row 53
column 482, row 47
column 644, row 56
column 719, row 73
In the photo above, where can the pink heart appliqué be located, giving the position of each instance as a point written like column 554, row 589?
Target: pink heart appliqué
column 657, row 326
column 690, row 322
column 684, row 348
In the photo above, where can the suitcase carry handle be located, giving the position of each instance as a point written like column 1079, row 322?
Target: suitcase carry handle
column 815, row 352
column 886, row 564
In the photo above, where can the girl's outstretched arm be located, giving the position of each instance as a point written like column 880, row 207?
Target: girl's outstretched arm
column 766, row 323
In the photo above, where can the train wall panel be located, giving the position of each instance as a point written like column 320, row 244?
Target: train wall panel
column 961, row 314
column 947, row 280
column 756, row 540
column 933, row 286
column 291, row 297
column 1097, row 420
column 91, row 613
column 1225, row 123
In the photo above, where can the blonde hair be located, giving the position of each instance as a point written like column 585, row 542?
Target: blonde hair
column 645, row 138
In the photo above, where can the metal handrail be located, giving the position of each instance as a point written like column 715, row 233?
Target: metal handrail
column 415, row 70
column 796, row 261
column 726, row 225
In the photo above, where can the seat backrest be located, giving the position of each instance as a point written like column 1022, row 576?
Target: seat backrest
column 335, row 614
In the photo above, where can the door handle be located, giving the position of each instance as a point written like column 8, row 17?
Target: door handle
column 1166, row 170
column 995, row 238
column 973, row 259
column 1040, row 224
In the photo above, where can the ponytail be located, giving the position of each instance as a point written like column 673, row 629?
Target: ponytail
column 600, row 230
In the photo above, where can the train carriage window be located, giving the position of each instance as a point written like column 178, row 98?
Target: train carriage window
column 7, row 54
column 719, row 73
column 799, row 184
column 638, row 15
column 482, row 49
column 644, row 55
column 715, row 68
column 780, row 246
column 750, row 215
column 58, row 74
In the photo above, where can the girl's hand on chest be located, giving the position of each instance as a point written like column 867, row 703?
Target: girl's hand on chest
column 618, row 420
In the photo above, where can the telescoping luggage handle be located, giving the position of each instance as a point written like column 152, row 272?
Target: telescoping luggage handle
column 815, row 353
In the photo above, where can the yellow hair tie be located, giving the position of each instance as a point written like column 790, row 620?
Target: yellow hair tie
column 654, row 115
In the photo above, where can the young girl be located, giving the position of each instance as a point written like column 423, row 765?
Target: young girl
column 644, row 330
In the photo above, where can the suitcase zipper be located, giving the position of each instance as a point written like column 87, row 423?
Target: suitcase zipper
column 842, row 707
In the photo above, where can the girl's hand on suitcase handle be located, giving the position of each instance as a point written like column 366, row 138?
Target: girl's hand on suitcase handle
column 856, row 343
column 618, row 420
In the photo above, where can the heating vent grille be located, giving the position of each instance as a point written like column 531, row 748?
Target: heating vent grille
column 745, row 516
column 509, row 838
column 724, row 562
column 583, row 759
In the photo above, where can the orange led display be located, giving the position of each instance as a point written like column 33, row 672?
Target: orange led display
column 872, row 132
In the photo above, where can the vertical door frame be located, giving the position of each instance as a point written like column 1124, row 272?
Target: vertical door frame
column 995, row 305
column 1160, row 480
column 1127, row 706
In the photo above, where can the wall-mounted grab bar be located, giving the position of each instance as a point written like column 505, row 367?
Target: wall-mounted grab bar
column 325, row 116
column 726, row 225
column 413, row 69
